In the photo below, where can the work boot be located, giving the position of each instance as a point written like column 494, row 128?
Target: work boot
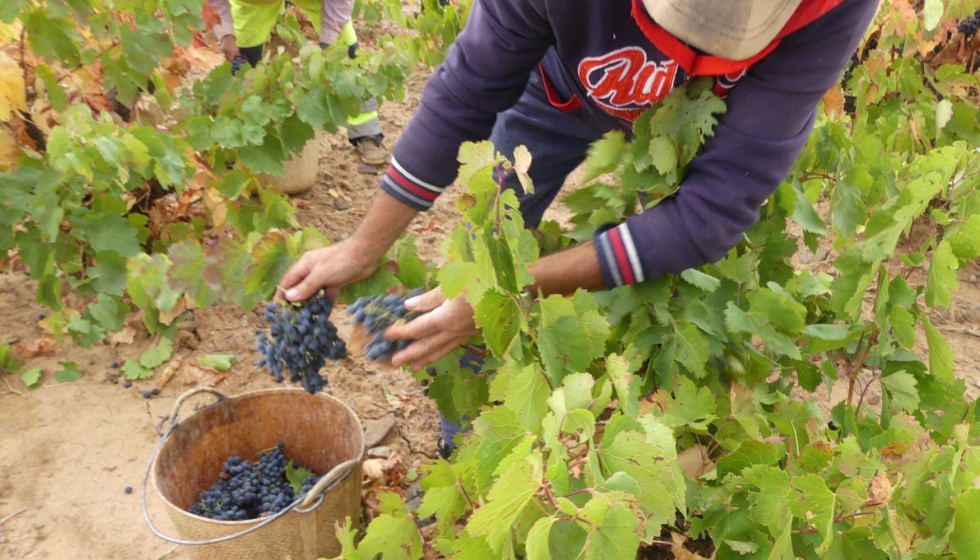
column 371, row 150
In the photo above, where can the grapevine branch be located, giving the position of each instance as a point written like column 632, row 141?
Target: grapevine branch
column 857, row 410
column 839, row 519
column 856, row 365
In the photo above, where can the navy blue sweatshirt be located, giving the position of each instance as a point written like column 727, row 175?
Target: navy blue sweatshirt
column 609, row 59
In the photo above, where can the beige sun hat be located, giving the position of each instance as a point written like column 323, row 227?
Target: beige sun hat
column 733, row 29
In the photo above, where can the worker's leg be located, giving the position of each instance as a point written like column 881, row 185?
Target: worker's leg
column 253, row 26
column 366, row 124
column 363, row 130
column 558, row 142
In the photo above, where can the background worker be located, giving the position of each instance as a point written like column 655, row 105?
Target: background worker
column 246, row 25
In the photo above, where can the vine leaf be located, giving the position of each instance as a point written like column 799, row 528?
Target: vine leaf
column 31, row 377
column 114, row 233
column 613, row 529
column 770, row 504
column 158, row 354
column 750, row 453
column 605, row 154
column 965, row 539
column 816, row 504
column 500, row 318
column 444, row 496
column 527, row 394
column 507, row 500
column 854, row 544
column 392, row 534
column 627, row 388
column 220, row 362
column 942, row 361
column 628, row 450
column 563, row 320
column 500, row 431
column 134, row 371
column 296, row 475
column 68, row 373
column 538, row 547
column 690, row 405
column 901, row 388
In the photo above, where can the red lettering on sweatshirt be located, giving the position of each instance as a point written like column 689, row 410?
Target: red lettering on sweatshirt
column 624, row 83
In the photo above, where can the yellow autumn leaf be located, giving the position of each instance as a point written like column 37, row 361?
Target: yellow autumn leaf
column 8, row 150
column 12, row 94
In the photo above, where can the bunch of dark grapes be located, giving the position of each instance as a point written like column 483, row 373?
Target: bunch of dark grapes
column 237, row 64
column 247, row 490
column 849, row 100
column 376, row 314
column 846, row 77
column 970, row 25
column 300, row 340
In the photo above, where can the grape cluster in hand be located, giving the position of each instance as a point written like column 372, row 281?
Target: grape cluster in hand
column 247, row 490
column 237, row 64
column 376, row 314
column 300, row 340
column 970, row 25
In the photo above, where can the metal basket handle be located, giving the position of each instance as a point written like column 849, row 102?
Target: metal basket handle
column 301, row 504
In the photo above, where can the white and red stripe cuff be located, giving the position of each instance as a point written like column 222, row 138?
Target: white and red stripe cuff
column 408, row 188
column 618, row 256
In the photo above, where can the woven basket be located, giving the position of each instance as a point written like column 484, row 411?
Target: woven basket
column 320, row 432
column 301, row 170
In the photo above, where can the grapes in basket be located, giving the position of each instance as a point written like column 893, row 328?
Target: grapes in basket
column 247, row 490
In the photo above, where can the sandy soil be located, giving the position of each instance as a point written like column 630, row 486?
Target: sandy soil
column 68, row 451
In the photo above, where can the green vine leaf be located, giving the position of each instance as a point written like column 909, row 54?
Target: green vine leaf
column 506, row 501
column 68, row 374
column 31, row 377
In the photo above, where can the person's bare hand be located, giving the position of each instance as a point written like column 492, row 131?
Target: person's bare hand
column 229, row 47
column 331, row 267
column 446, row 325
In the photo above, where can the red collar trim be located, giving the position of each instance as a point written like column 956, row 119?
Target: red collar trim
column 707, row 65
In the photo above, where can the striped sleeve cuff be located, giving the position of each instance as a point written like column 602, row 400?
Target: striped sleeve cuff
column 618, row 258
column 408, row 189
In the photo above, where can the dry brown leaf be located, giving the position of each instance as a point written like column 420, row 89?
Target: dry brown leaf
column 374, row 471
column 833, row 102
column 395, row 470
column 216, row 205
column 694, row 462
column 168, row 371
column 196, row 374
column 18, row 130
column 879, row 490
column 678, row 550
column 125, row 336
column 31, row 348
column 168, row 317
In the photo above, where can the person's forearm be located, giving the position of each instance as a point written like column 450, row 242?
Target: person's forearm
column 383, row 224
column 567, row 271
column 227, row 25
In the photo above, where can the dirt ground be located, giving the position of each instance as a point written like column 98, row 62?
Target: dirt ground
column 68, row 451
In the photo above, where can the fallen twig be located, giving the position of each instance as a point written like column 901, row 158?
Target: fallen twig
column 7, row 383
column 11, row 516
column 961, row 330
column 169, row 552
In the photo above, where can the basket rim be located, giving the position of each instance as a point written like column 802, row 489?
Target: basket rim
column 272, row 390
